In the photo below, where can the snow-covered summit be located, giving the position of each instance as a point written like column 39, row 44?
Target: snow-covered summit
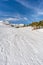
column 1, row 22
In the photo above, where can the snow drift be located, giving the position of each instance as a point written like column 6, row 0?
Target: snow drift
column 20, row 46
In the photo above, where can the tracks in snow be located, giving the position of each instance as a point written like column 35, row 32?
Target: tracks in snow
column 20, row 47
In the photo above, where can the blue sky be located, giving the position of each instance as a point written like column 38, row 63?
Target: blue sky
column 21, row 11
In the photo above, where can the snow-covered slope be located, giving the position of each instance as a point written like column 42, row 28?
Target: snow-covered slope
column 20, row 46
column 40, row 30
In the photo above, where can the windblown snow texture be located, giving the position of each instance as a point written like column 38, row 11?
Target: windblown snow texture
column 20, row 46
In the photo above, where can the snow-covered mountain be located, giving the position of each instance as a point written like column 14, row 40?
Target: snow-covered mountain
column 20, row 46
column 11, row 24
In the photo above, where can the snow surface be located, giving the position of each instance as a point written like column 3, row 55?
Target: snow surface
column 40, row 30
column 20, row 46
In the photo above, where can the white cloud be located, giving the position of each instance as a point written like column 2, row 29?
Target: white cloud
column 25, row 18
column 15, row 19
column 37, row 14
column 27, row 4
column 40, row 13
column 24, row 3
